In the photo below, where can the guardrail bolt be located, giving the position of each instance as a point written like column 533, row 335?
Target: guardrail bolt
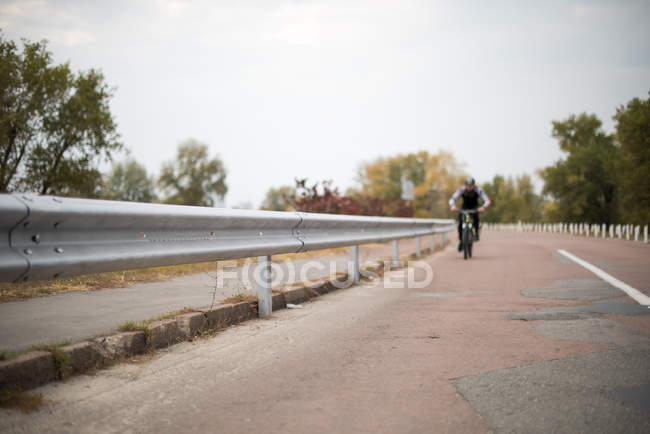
column 36, row 238
column 28, row 251
column 59, row 250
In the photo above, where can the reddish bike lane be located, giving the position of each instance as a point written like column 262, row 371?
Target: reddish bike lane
column 500, row 342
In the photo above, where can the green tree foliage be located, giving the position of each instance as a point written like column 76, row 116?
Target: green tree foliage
column 128, row 181
column 55, row 125
column 513, row 200
column 435, row 178
column 633, row 137
column 278, row 199
column 192, row 178
column 584, row 184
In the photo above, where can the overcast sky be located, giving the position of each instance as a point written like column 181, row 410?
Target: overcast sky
column 284, row 89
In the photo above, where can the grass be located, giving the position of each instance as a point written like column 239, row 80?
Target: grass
column 61, row 359
column 91, row 282
column 134, row 326
column 238, row 298
column 7, row 355
column 23, row 401
column 53, row 347
column 122, row 279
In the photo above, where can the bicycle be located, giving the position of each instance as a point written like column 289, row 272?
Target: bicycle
column 468, row 231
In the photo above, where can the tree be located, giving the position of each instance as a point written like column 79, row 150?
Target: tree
column 55, row 125
column 325, row 198
column 584, row 184
column 435, row 178
column 191, row 178
column 633, row 137
column 128, row 181
column 513, row 199
column 278, row 199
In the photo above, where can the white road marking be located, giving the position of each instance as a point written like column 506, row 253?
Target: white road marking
column 640, row 297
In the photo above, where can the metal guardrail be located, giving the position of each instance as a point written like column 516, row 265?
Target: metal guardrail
column 48, row 237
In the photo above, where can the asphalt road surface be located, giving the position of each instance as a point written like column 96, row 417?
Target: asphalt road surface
column 518, row 339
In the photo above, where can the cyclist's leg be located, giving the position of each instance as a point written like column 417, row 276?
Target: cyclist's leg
column 460, row 232
column 476, row 224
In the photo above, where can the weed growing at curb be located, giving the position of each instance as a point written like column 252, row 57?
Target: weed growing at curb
column 61, row 359
column 24, row 401
column 7, row 355
column 238, row 298
column 169, row 315
column 137, row 326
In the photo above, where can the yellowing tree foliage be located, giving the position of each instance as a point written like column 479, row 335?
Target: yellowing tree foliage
column 435, row 178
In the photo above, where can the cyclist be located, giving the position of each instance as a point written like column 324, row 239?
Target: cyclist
column 471, row 194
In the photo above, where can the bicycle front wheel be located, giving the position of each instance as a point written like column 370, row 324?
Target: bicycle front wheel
column 466, row 242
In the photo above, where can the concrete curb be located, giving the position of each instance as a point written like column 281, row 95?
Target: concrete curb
column 37, row 368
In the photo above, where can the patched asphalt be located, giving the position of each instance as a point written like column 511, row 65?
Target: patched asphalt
column 603, row 392
column 584, row 289
column 606, row 391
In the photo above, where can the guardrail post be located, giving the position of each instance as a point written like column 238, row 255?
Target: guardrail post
column 443, row 238
column 395, row 253
column 433, row 243
column 418, row 253
column 354, row 262
column 264, row 295
column 645, row 234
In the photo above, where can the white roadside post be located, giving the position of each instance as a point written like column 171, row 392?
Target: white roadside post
column 354, row 263
column 637, row 230
column 264, row 295
column 603, row 228
column 432, row 245
column 645, row 233
column 611, row 231
column 395, row 253
column 443, row 239
column 418, row 252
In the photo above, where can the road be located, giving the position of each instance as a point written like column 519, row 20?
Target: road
column 518, row 339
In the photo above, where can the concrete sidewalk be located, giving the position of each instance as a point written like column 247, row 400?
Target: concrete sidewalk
column 77, row 316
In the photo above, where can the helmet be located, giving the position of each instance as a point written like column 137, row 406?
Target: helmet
column 469, row 181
